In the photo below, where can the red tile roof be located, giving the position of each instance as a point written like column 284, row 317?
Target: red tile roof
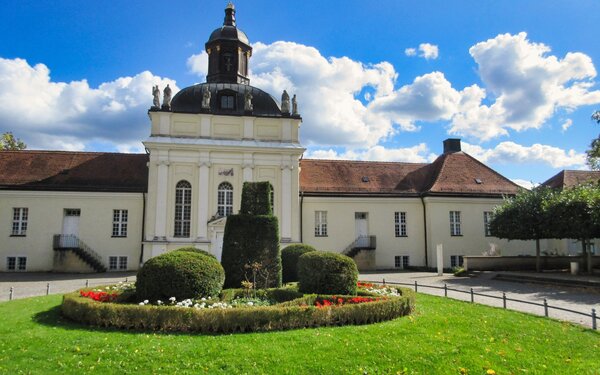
column 73, row 171
column 569, row 178
column 450, row 174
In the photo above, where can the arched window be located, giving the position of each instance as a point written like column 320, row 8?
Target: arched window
column 272, row 197
column 225, row 199
column 183, row 208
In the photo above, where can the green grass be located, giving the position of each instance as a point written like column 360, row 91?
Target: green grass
column 441, row 337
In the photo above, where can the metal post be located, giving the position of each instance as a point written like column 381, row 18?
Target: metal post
column 383, row 282
column 47, row 288
column 10, row 297
column 545, row 308
column 445, row 290
column 593, row 318
column 126, row 279
column 503, row 299
column 472, row 296
column 87, row 283
column 415, row 286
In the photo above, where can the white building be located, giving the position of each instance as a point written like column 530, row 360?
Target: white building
column 71, row 211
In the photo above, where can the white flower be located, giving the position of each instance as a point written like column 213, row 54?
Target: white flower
column 209, row 297
column 146, row 301
column 203, row 299
column 159, row 302
column 172, row 299
column 250, row 303
column 141, row 303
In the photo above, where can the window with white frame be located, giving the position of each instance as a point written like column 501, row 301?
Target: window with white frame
column 117, row 263
column 456, row 261
column 19, row 223
column 320, row 223
column 455, row 229
column 400, row 224
column 487, row 217
column 183, row 209
column 225, row 199
column 16, row 263
column 119, row 228
column 401, row 261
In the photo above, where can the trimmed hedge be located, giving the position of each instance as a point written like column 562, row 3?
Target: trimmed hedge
column 327, row 273
column 289, row 260
column 192, row 249
column 256, row 198
column 180, row 274
column 289, row 315
column 249, row 239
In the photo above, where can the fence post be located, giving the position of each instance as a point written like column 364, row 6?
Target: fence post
column 472, row 296
column 415, row 286
column 87, row 283
column 383, row 282
column 504, row 299
column 126, row 279
column 445, row 290
column 593, row 318
column 545, row 308
column 47, row 288
column 10, row 297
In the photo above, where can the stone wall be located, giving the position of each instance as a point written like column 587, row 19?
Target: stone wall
column 521, row 263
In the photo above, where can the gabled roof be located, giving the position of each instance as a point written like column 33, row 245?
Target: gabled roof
column 570, row 178
column 73, row 171
column 454, row 173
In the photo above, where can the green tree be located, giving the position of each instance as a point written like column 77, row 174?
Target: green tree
column 10, row 143
column 593, row 154
column 525, row 217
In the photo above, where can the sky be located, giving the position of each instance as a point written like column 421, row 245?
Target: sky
column 516, row 81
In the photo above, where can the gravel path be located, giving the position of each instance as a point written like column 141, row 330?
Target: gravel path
column 576, row 299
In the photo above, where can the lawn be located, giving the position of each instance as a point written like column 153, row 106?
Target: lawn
column 443, row 336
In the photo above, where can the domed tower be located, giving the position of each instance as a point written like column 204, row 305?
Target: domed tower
column 212, row 138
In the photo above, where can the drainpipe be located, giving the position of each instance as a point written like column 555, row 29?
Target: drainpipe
column 143, row 226
column 425, row 230
column 301, row 202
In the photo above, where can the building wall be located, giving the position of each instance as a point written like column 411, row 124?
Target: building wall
column 45, row 219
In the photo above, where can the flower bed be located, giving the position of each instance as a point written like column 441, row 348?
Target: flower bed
column 236, row 313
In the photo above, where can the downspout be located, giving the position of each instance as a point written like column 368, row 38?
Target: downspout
column 425, row 230
column 301, row 202
column 143, row 226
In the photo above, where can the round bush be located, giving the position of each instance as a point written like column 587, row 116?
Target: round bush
column 327, row 273
column 180, row 274
column 289, row 260
column 192, row 249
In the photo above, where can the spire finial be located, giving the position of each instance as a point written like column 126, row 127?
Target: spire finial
column 229, row 15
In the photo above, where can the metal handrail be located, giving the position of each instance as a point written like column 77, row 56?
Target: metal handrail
column 71, row 241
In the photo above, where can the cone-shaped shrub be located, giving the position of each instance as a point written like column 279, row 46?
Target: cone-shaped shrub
column 251, row 241
column 289, row 260
column 323, row 272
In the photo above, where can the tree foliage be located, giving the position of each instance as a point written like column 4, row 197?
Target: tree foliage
column 593, row 154
column 8, row 142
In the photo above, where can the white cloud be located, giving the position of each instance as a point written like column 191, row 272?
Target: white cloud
column 566, row 125
column 513, row 153
column 71, row 116
column 528, row 86
column 198, row 64
column 416, row 154
column 426, row 50
column 524, row 183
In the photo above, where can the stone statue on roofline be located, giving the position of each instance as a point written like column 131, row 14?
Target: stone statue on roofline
column 285, row 103
column 294, row 106
column 156, row 97
column 248, row 106
column 167, row 98
column 206, row 98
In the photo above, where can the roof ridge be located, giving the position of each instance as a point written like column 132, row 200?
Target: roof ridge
column 442, row 159
column 365, row 161
column 67, row 152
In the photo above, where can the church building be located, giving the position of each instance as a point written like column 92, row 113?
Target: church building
column 98, row 211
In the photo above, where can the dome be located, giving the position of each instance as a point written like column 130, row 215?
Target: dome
column 189, row 100
column 227, row 32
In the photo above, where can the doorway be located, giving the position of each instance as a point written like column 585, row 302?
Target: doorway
column 361, row 228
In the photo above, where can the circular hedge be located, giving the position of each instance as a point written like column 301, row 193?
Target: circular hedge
column 180, row 274
column 192, row 249
column 327, row 273
column 289, row 260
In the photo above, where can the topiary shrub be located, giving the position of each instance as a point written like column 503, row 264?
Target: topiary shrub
column 289, row 260
column 327, row 273
column 251, row 241
column 180, row 274
column 192, row 249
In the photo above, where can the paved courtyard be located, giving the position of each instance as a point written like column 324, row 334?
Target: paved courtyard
column 572, row 298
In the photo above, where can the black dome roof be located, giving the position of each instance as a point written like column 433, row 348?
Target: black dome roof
column 189, row 100
column 227, row 32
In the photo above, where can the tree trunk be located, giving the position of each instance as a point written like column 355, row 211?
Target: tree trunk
column 589, row 257
column 538, row 259
column 584, row 259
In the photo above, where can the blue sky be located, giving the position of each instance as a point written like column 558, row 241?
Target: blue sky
column 385, row 80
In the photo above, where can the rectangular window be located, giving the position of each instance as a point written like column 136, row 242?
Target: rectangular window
column 72, row 212
column 320, row 223
column 401, row 261
column 456, row 261
column 16, row 263
column 227, row 102
column 487, row 217
column 119, row 228
column 19, row 223
column 400, row 224
column 455, row 229
column 117, row 263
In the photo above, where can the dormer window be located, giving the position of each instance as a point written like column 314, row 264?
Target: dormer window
column 227, row 102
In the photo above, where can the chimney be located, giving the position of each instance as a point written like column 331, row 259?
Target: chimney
column 451, row 145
